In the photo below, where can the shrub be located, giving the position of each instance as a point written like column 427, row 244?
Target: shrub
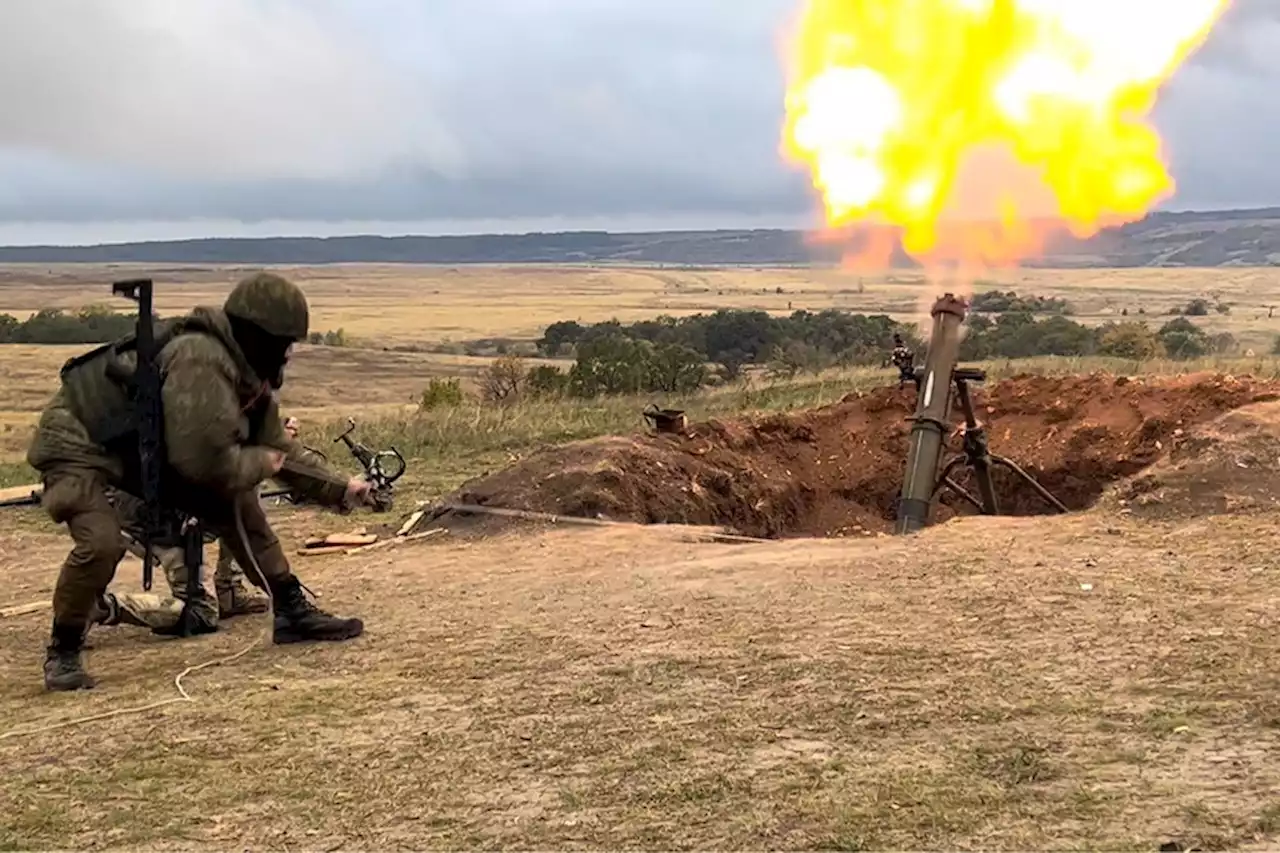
column 1129, row 340
column 502, row 381
column 440, row 394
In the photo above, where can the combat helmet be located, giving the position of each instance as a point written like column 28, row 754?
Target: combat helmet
column 271, row 302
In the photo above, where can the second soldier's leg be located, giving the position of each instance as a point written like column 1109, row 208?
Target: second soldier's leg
column 161, row 613
column 234, row 596
column 205, row 608
column 297, row 619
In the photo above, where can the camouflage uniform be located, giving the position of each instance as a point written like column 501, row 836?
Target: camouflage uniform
column 234, row 598
column 162, row 613
column 222, row 433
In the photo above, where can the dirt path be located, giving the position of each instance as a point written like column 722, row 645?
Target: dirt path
column 1016, row 683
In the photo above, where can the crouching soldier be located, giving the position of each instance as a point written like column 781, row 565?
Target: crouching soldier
column 163, row 613
column 223, row 437
column 234, row 597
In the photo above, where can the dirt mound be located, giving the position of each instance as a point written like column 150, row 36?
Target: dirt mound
column 1230, row 465
column 837, row 471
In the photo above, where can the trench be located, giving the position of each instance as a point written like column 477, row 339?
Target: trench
column 837, row 470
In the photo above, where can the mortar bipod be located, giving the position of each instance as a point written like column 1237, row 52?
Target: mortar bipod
column 976, row 455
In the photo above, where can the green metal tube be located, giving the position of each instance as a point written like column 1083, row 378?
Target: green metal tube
column 933, row 408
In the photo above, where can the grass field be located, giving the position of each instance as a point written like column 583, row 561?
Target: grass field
column 398, row 305
column 1092, row 681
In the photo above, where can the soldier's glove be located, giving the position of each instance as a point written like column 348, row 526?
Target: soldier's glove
column 359, row 493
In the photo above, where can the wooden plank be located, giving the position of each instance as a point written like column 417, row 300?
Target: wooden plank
column 385, row 542
column 16, row 492
column 317, row 552
column 346, row 540
column 23, row 609
column 408, row 526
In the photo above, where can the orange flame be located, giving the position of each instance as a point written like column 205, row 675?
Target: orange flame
column 969, row 124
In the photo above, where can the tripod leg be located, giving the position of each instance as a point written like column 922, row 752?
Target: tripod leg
column 1032, row 482
column 986, row 488
column 976, row 453
column 945, row 478
column 964, row 493
column 945, row 481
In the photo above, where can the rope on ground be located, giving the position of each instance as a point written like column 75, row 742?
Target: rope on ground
column 183, row 695
column 530, row 515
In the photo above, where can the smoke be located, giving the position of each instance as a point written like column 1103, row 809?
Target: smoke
column 214, row 89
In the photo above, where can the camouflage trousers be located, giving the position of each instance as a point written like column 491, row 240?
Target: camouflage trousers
column 162, row 612
column 78, row 497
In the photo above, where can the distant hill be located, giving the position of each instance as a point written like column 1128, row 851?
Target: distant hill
column 1185, row 238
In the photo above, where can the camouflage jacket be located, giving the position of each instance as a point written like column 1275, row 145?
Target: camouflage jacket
column 306, row 456
column 220, row 420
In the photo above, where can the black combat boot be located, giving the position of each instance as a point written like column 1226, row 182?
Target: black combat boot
column 298, row 620
column 106, row 610
column 63, row 667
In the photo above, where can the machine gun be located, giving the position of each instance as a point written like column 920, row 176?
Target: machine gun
column 921, row 482
column 144, row 391
column 381, row 467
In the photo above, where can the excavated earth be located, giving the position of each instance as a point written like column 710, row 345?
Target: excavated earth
column 837, row 470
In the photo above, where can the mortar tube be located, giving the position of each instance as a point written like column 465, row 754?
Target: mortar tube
column 933, row 406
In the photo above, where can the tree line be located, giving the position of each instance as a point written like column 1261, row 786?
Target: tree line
column 98, row 324
column 93, row 324
column 678, row 355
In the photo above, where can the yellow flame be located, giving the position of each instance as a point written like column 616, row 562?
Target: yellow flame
column 928, row 114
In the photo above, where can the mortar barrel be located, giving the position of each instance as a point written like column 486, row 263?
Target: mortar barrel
column 933, row 407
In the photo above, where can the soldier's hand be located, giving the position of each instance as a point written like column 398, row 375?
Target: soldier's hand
column 276, row 460
column 359, row 492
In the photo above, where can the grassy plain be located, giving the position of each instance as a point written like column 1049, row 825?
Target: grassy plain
column 1113, row 687
column 388, row 305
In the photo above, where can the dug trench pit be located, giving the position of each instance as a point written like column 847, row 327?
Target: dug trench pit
column 837, row 470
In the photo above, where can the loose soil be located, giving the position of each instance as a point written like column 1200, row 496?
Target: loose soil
column 1230, row 465
column 837, row 471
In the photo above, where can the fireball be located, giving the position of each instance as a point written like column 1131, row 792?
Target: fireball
column 931, row 115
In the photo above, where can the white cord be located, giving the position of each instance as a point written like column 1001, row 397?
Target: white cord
column 183, row 696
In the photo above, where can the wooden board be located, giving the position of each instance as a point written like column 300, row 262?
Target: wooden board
column 23, row 609
column 15, row 492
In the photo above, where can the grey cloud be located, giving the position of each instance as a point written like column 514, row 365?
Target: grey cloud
column 217, row 88
column 476, row 109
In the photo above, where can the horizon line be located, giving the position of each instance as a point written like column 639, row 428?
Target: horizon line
column 356, row 235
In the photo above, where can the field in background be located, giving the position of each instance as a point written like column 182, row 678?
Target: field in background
column 423, row 307
column 389, row 305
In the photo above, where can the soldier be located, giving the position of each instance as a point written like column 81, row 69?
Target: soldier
column 234, row 597
column 223, row 438
column 162, row 614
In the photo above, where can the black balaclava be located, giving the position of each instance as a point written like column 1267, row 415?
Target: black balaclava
column 266, row 353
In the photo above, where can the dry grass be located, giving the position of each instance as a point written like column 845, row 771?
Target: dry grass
column 405, row 304
column 616, row 688
column 452, row 443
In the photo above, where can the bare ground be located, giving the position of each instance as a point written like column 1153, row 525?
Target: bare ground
column 1092, row 681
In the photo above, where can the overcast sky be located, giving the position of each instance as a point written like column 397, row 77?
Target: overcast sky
column 148, row 119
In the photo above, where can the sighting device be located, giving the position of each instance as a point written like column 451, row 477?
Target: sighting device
column 921, row 482
column 144, row 393
column 903, row 359
column 381, row 467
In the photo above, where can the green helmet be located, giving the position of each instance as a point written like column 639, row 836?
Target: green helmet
column 272, row 303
